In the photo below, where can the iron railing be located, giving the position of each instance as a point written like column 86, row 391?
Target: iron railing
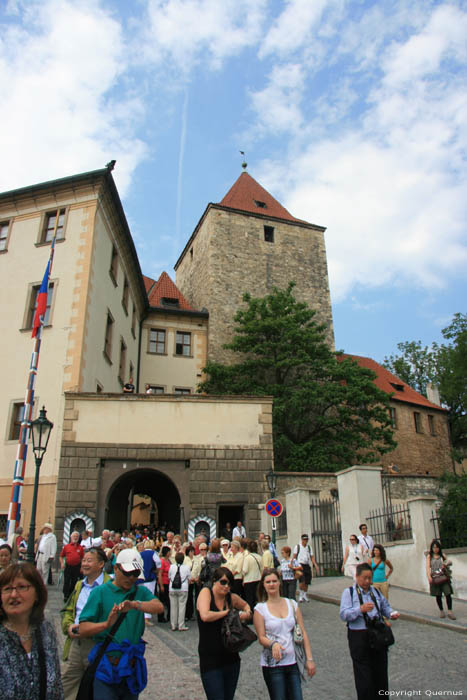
column 390, row 524
column 326, row 535
column 450, row 530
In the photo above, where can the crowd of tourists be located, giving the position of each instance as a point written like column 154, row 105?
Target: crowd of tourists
column 116, row 583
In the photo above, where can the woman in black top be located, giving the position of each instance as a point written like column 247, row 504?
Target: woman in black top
column 219, row 668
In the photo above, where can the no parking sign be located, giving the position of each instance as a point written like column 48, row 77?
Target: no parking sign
column 274, row 508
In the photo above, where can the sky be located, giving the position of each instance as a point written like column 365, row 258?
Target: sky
column 352, row 113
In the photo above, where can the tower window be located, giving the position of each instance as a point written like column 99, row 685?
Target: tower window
column 260, row 205
column 269, row 234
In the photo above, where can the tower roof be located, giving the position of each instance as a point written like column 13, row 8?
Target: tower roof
column 247, row 195
column 166, row 294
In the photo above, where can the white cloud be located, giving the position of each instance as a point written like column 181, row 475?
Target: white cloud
column 57, row 70
column 183, row 32
column 295, row 26
column 390, row 184
column 278, row 105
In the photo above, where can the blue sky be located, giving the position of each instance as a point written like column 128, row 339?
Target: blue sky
column 353, row 114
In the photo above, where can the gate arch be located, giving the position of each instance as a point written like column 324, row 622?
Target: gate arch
column 150, row 482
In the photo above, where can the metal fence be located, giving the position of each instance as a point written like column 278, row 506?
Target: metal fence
column 326, row 535
column 390, row 524
column 450, row 530
column 282, row 524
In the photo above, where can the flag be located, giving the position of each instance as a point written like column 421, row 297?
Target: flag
column 41, row 304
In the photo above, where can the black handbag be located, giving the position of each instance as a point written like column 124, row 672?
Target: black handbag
column 380, row 635
column 86, row 687
column 236, row 636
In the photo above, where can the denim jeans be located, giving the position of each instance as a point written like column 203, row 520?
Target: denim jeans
column 221, row 683
column 283, row 682
column 114, row 691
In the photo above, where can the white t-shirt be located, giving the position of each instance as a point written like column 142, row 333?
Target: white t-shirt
column 185, row 575
column 367, row 543
column 280, row 630
column 304, row 554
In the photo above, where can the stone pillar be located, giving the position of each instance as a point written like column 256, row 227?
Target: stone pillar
column 360, row 491
column 297, row 504
column 420, row 510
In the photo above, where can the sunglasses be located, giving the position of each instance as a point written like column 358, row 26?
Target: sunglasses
column 224, row 582
column 135, row 573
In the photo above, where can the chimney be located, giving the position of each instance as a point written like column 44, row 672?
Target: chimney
column 432, row 393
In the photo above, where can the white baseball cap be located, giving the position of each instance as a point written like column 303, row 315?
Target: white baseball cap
column 130, row 560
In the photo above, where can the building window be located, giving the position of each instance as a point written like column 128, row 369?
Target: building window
column 431, row 425
column 108, row 337
column 183, row 344
column 133, row 322
column 417, row 422
column 16, row 420
column 156, row 341
column 125, row 295
column 269, row 234
column 113, row 271
column 99, row 388
column 122, row 364
column 259, row 204
column 32, row 305
column 392, row 413
column 182, row 391
column 49, row 225
column 156, row 389
column 4, row 228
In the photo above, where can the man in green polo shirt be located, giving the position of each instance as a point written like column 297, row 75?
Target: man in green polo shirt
column 101, row 611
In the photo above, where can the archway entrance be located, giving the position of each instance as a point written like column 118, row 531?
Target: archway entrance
column 140, row 497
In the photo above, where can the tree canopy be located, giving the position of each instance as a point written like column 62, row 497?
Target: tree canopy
column 444, row 365
column 328, row 413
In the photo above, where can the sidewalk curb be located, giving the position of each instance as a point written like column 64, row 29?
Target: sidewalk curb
column 410, row 617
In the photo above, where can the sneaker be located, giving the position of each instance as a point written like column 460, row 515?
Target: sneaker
column 452, row 616
column 174, row 629
column 183, row 629
column 442, row 614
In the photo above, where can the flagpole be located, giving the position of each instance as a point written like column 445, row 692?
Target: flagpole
column 14, row 511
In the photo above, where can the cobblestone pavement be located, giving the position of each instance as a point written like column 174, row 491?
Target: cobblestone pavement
column 424, row 659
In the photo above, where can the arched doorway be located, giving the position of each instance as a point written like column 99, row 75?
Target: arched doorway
column 146, row 489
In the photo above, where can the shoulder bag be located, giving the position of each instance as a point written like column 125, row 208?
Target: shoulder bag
column 86, row 687
column 236, row 636
column 299, row 646
column 380, row 634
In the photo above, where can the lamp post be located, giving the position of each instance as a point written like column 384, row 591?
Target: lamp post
column 40, row 430
column 271, row 479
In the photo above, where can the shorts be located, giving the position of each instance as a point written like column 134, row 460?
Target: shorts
column 306, row 578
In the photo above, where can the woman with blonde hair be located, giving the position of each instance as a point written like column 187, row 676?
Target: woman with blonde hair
column 274, row 619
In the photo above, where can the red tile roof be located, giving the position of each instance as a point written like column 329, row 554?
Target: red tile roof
column 246, row 192
column 164, row 287
column 148, row 283
column 385, row 381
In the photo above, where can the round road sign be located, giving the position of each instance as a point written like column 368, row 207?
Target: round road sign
column 274, row 507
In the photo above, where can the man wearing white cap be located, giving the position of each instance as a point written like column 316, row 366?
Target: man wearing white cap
column 46, row 551
column 122, row 671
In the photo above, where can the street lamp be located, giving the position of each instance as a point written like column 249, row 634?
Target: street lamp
column 40, row 430
column 271, row 479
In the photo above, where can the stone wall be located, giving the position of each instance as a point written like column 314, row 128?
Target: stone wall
column 420, row 452
column 230, row 257
column 215, row 477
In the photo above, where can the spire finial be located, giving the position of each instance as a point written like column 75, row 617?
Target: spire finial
column 244, row 163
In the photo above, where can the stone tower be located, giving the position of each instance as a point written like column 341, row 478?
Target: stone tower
column 251, row 243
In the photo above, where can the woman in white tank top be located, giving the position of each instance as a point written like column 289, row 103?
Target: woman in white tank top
column 274, row 621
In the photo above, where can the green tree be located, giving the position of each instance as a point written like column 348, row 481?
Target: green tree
column 452, row 513
column 415, row 365
column 446, row 366
column 327, row 412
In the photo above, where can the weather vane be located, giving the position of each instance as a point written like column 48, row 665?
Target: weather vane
column 244, row 163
